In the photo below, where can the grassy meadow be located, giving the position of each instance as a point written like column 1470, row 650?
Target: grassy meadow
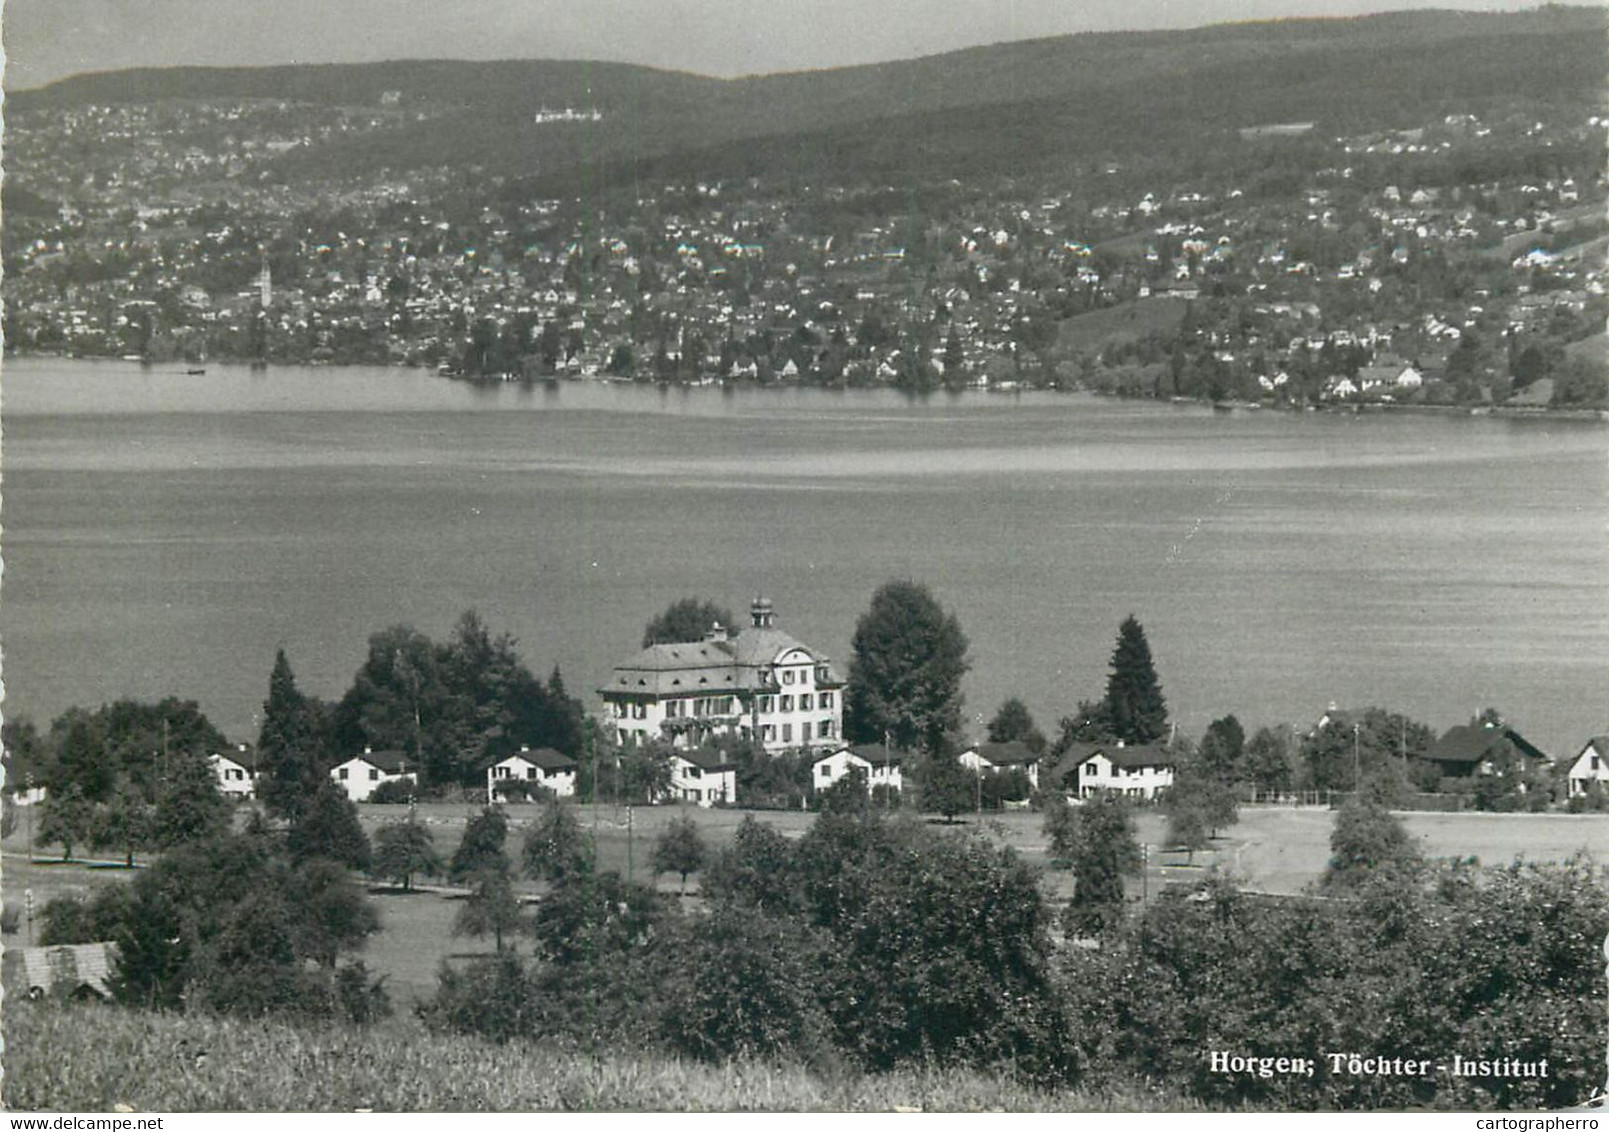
column 95, row 1058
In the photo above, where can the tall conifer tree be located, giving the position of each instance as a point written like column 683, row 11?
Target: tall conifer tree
column 288, row 747
column 1135, row 709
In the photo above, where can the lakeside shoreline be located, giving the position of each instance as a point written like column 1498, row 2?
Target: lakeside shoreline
column 1511, row 412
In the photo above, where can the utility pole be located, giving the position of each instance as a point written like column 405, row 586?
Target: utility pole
column 1357, row 763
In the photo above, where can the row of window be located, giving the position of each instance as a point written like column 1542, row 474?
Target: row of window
column 374, row 775
column 823, row 730
column 1125, row 771
column 806, row 702
column 725, row 705
column 802, row 675
column 714, row 705
column 530, row 772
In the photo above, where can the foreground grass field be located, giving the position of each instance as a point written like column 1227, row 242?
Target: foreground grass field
column 1271, row 849
column 93, row 1058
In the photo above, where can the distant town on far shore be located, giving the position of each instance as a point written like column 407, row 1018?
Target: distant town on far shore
column 1396, row 242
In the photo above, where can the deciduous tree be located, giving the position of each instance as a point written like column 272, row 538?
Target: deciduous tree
column 327, row 826
column 1222, row 750
column 1104, row 851
column 556, row 847
column 66, row 818
column 948, row 788
column 482, row 846
column 686, row 620
column 905, row 670
column 1368, row 838
column 404, row 848
column 492, row 908
column 680, row 849
column 1013, row 722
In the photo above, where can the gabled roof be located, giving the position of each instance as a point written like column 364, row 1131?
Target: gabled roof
column 1014, row 753
column 245, row 759
column 733, row 664
column 392, row 762
column 873, row 753
column 1131, row 758
column 705, row 758
column 544, row 758
column 549, row 759
column 73, row 966
column 1470, row 744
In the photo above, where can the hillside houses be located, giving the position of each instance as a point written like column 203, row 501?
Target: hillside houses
column 750, row 281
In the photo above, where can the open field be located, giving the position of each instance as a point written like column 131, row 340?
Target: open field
column 90, row 1058
column 1271, row 849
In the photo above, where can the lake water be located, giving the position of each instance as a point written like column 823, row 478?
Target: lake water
column 164, row 533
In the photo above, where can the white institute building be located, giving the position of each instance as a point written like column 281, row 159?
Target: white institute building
column 758, row 684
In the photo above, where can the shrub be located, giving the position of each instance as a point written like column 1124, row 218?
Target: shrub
column 749, row 986
column 556, row 846
column 1367, row 838
column 358, row 998
column 941, row 944
column 393, row 792
column 1103, row 851
column 1453, row 960
column 756, row 870
column 493, row 997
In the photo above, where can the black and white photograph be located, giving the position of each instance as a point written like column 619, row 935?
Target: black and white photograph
column 579, row 556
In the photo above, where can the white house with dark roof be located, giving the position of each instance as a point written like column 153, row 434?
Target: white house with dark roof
column 236, row 772
column 544, row 767
column 361, row 775
column 1591, row 765
column 986, row 758
column 1138, row 771
column 880, row 766
column 757, row 684
column 703, row 775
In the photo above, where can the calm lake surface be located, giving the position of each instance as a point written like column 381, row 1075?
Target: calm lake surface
column 164, row 533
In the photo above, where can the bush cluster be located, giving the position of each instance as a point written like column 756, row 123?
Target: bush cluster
column 1427, row 963
column 237, row 924
column 871, row 941
column 877, row 942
